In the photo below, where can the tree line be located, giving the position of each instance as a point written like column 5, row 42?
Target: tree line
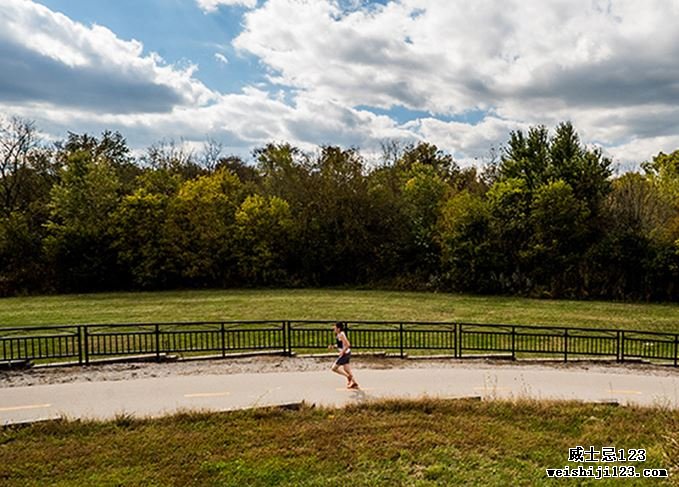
column 544, row 217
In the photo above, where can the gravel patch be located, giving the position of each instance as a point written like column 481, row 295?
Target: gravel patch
column 273, row 364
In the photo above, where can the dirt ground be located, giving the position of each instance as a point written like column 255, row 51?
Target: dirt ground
column 272, row 364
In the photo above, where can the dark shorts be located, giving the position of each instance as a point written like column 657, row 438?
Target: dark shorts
column 344, row 359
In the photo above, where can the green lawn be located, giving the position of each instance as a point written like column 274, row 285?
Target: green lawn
column 392, row 443
column 330, row 305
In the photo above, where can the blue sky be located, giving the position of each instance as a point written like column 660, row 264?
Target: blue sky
column 458, row 74
column 178, row 30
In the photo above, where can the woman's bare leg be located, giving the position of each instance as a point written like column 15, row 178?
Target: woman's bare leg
column 350, row 376
column 336, row 369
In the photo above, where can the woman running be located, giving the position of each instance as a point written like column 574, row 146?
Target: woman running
column 341, row 365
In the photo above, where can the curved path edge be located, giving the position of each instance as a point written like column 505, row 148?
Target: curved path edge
column 154, row 397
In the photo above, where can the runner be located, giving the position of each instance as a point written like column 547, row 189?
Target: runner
column 341, row 365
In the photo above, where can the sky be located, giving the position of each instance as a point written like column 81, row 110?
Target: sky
column 356, row 73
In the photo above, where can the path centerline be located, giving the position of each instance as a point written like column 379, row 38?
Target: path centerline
column 207, row 394
column 23, row 408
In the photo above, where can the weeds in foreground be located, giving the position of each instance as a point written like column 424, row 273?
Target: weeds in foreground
column 425, row 442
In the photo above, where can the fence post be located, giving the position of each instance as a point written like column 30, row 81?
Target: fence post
column 157, row 327
column 223, row 338
column 80, row 346
column 458, row 340
column 513, row 343
column 284, row 331
column 400, row 336
column 621, row 334
column 86, row 340
column 565, row 343
column 676, row 349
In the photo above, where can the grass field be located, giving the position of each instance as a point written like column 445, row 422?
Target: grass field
column 330, row 305
column 393, row 443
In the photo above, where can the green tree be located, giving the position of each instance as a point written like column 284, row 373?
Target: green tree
column 26, row 168
column 637, row 205
column 143, row 242
column 424, row 192
column 527, row 157
column 467, row 256
column 79, row 240
column 248, row 174
column 201, row 225
column 638, row 255
column 17, row 141
column 335, row 232
column 425, row 154
column 509, row 205
column 22, row 266
column 413, row 183
column 263, row 227
column 390, row 228
column 539, row 159
column 559, row 229
column 551, row 168
column 285, row 172
column 663, row 174
column 173, row 157
column 338, row 222
column 27, row 174
column 585, row 170
column 110, row 146
column 663, row 170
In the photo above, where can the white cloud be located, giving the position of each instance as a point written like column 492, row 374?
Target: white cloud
column 467, row 143
column 209, row 6
column 109, row 83
column 643, row 149
column 221, row 58
column 48, row 58
column 241, row 121
column 529, row 61
column 607, row 65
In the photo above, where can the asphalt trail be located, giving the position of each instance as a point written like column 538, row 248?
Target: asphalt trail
column 153, row 397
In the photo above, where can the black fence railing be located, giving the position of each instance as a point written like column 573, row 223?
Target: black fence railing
column 86, row 343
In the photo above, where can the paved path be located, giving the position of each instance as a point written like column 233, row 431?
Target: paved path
column 160, row 396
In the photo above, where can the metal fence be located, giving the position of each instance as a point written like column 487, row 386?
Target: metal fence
column 86, row 343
